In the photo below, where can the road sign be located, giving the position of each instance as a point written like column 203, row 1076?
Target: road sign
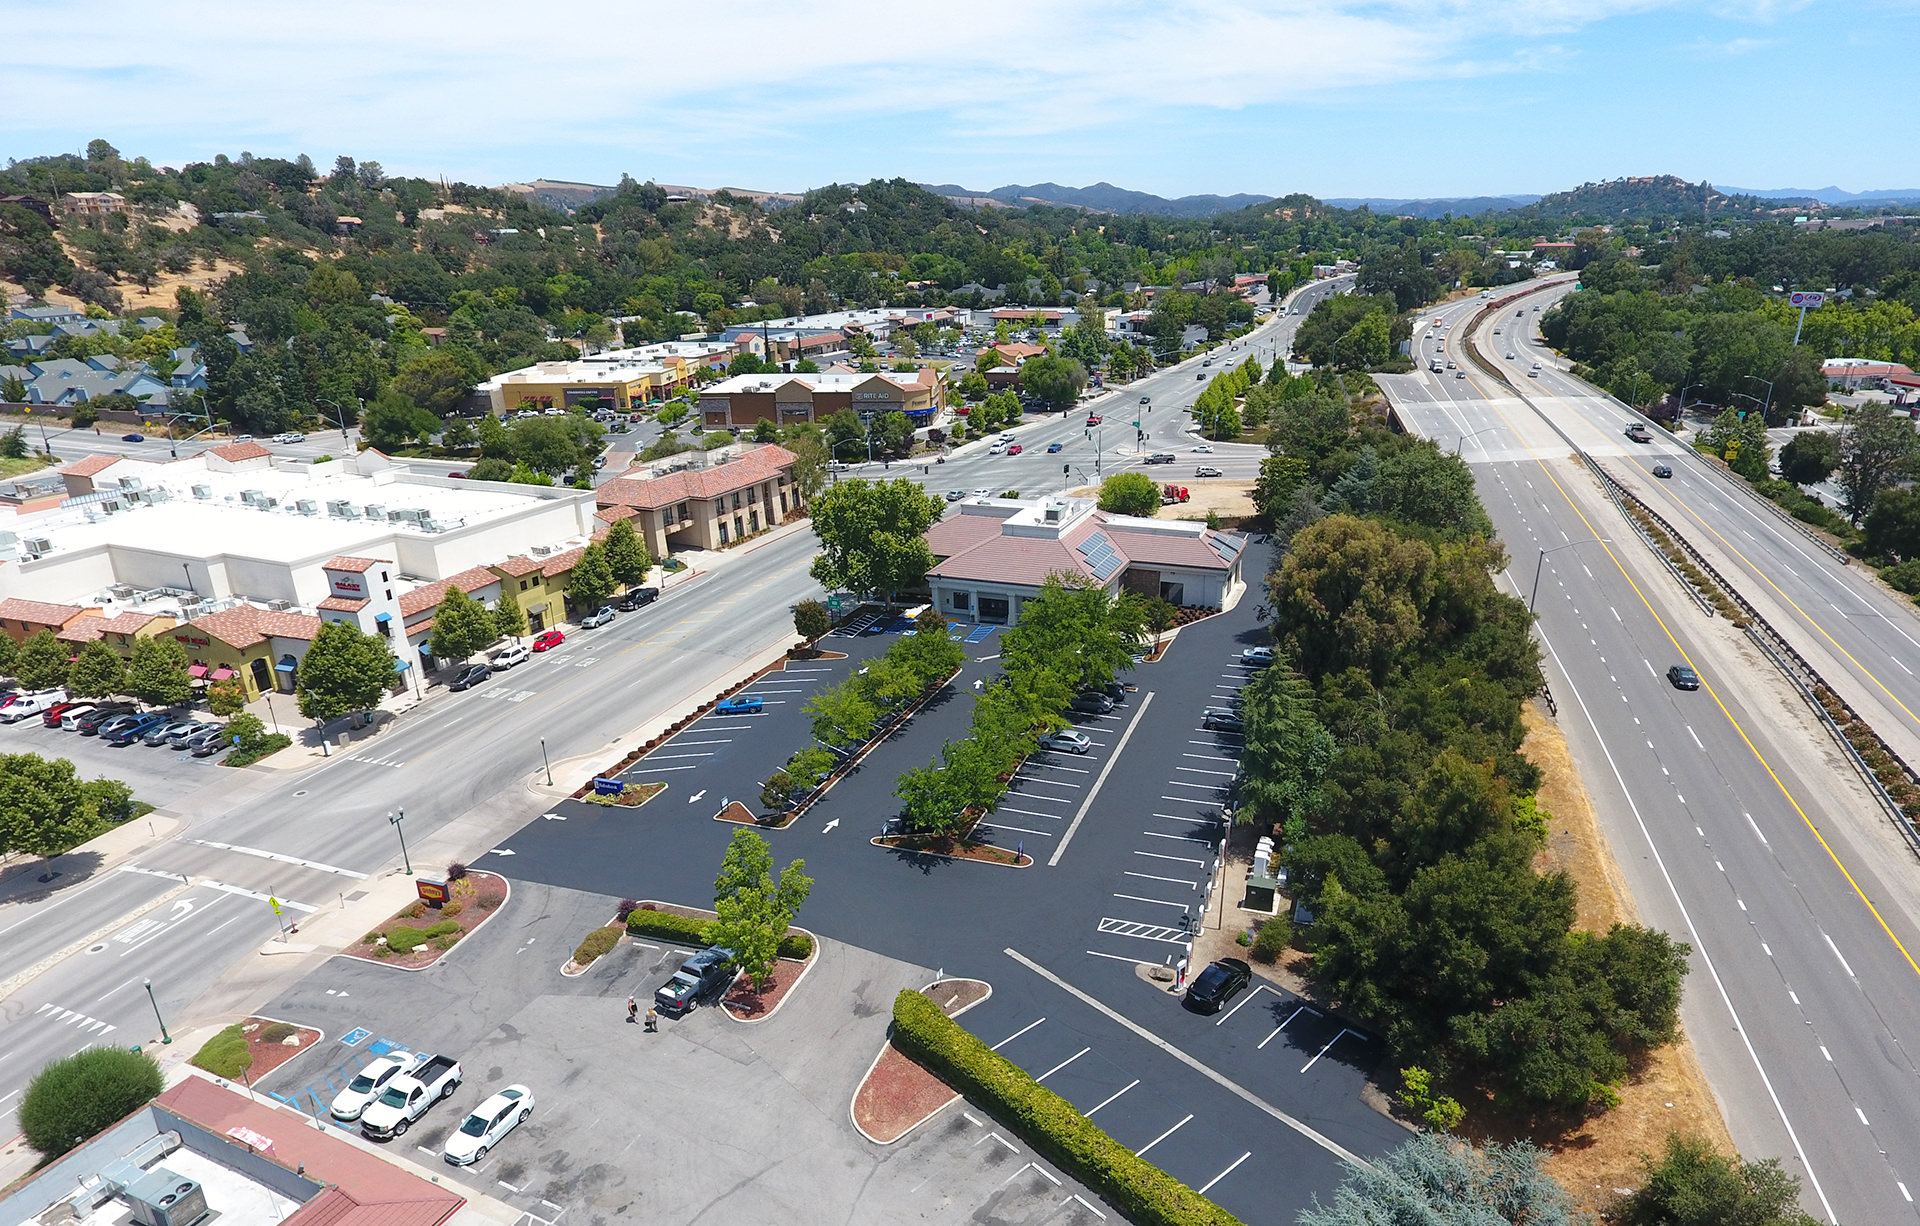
column 833, row 604
column 1807, row 299
column 274, row 903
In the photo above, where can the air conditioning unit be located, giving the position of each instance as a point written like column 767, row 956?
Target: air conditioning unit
column 376, row 512
column 252, row 498
column 159, row 493
column 342, row 509
column 428, row 525
column 37, row 546
column 203, row 491
column 131, row 483
column 279, row 606
column 267, row 503
column 166, row 1199
column 122, row 591
column 307, row 506
column 541, row 551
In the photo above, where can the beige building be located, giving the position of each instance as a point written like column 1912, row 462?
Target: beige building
column 742, row 401
column 705, row 508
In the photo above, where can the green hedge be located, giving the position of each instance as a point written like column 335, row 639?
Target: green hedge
column 274, row 743
column 404, row 940
column 691, row 931
column 1143, row 1192
column 596, row 944
column 225, row 1055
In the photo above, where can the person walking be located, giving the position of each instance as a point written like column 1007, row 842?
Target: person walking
column 633, row 1010
column 653, row 1021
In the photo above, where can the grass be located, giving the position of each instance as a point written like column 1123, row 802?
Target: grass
column 225, row 1054
column 20, row 468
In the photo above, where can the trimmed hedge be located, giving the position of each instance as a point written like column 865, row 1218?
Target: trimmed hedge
column 689, row 930
column 404, row 940
column 596, row 944
column 1143, row 1192
column 225, row 1055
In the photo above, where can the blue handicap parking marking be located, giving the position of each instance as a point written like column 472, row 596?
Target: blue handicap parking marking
column 900, row 625
column 355, row 1037
column 380, row 1047
column 979, row 634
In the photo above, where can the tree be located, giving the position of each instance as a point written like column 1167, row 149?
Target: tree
column 1810, row 457
column 491, row 469
column 45, row 809
column 843, row 714
column 1130, row 494
column 1365, row 345
column 764, row 431
column 872, row 536
column 13, row 444
column 1418, row 483
column 82, row 1095
column 891, row 433
column 1440, row 1181
column 1741, row 439
column 1054, row 382
column 343, row 671
column 96, row 672
column 509, row 619
column 754, row 910
column 627, row 554
column 42, row 662
column 157, row 674
column 1691, row 1184
column 227, row 698
column 461, row 626
column 1893, row 526
column 1281, row 479
column 592, row 581
column 440, row 379
column 1876, row 446
column 9, row 653
column 811, row 619
column 1351, row 593
column 809, row 449
column 1288, row 752
column 393, row 422
column 973, row 387
column 1075, row 630
column 1159, row 616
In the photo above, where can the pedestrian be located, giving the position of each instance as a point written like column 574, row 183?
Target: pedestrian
column 653, row 1021
column 633, row 1010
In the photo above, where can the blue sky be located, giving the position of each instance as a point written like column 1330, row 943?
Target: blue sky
column 1332, row 97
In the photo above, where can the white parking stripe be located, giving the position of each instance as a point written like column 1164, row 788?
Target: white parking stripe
column 1161, row 902
column 1117, row 1093
column 1191, row 885
column 1027, row 812
column 1141, row 1152
column 1157, row 856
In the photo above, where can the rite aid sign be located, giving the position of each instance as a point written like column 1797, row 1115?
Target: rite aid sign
column 1806, row 299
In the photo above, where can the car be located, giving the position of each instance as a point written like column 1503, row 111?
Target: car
column 291, row 436
column 549, row 639
column 1092, row 702
column 1259, row 656
column 1052, row 448
column 638, row 598
column 368, row 1082
column 997, row 449
column 1112, row 689
column 1509, row 355
column 1007, row 437
column 58, row 711
column 1207, row 470
column 205, row 744
column 95, row 721
column 1683, row 678
column 982, row 492
column 164, row 732
column 457, row 475
column 1496, row 331
column 1212, row 988
column 956, row 495
column 1205, row 449
column 486, row 1124
column 133, row 438
column 243, row 438
column 1200, row 377
column 470, row 676
column 20, row 706
column 1662, row 471
column 1222, row 719
column 744, row 704
column 1533, row 374
column 1094, row 419
column 698, row 976
column 507, row 657
column 194, row 729
column 1207, row 362
column 1015, row 449
column 1162, row 457
column 1449, row 365
column 598, row 618
column 1459, row 374
column 135, row 727
column 1067, row 740
column 1146, row 400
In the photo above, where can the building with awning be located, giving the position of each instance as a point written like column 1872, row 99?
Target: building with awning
column 261, row 647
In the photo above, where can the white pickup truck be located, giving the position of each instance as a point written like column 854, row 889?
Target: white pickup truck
column 369, row 1082
column 408, row 1096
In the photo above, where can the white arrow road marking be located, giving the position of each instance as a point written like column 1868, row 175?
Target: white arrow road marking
column 697, row 795
column 554, row 817
column 830, row 825
column 500, row 851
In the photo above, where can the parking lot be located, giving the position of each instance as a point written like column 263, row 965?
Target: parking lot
column 159, row 776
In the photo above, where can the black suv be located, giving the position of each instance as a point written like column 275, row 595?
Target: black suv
column 470, row 676
column 705, row 972
column 89, row 724
column 638, row 598
column 1215, row 986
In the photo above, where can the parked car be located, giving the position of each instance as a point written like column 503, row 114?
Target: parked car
column 743, row 704
column 1113, row 690
column 179, row 739
column 506, row 658
column 58, row 711
column 706, row 972
column 638, row 598
column 135, row 727
column 1014, row 449
column 956, row 495
column 1222, row 719
column 1067, row 740
column 164, row 732
column 1093, row 702
column 369, row 1082
column 982, row 492
column 1261, row 656
column 408, row 1097
column 486, row 1124
column 470, row 676
column 1683, row 678
column 21, row 706
column 1207, row 470
column 548, row 640
column 133, row 438
column 92, row 723
column 598, row 618
column 1214, row 987
column 206, row 744
column 1054, row 447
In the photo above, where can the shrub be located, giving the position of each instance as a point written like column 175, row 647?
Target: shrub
column 1273, row 938
column 643, row 921
column 627, row 907
column 796, row 945
column 597, row 944
column 1905, row 577
column 278, row 1032
column 489, row 901
column 456, row 871
column 225, row 1055
column 443, row 928
column 1144, row 1193
column 453, row 908
column 447, row 941
column 75, row 1098
column 404, row 940
column 415, row 910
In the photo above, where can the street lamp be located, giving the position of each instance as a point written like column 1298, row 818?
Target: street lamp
column 339, row 414
column 1768, row 403
column 164, row 1036
column 395, row 819
column 1541, row 561
column 545, row 762
column 1463, row 438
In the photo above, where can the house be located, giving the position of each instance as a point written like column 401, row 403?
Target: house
column 705, row 508
column 996, row 553
column 93, row 204
column 744, row 400
column 33, row 204
column 66, row 382
column 47, row 315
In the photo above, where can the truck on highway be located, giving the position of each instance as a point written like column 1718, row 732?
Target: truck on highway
column 408, row 1096
column 1638, row 432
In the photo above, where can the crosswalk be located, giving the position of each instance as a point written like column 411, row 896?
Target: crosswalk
column 73, row 1017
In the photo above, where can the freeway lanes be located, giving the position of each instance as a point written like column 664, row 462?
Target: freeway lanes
column 1729, row 829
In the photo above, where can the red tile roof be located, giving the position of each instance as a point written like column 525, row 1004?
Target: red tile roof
column 130, row 622
column 38, row 612
column 340, row 604
column 760, row 464
column 612, row 515
column 519, row 566
column 364, row 1188
column 233, row 452
column 245, row 625
column 89, row 466
column 421, row 599
column 81, row 630
column 356, row 565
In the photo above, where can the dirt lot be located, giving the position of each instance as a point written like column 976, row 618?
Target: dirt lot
column 1230, row 499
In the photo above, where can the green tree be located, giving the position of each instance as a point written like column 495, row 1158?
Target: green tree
column 1810, row 457
column 973, row 387
column 344, row 671
column 891, row 434
column 461, row 626
column 1281, row 479
column 1130, row 494
column 1440, row 1181
column 491, row 469
column 247, row 732
column 1692, row 1184
column 45, row 810
column 592, row 581
column 1288, row 752
column 1741, row 440
column 1054, row 382
column 82, row 1095
column 41, row 663
column 754, row 911
column 872, row 536
column 509, row 619
column 157, row 673
column 627, row 554
column 811, row 619
column 764, row 431
column 1893, row 525
column 1352, row 592
column 1417, row 483
column 807, row 444
column 843, row 714
column 13, row 444
column 393, row 422
column 9, row 654
column 1877, row 445
column 1076, row 630
column 1366, row 345
column 96, row 672
column 226, row 698
column 440, row 379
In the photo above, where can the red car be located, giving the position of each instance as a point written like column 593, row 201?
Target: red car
column 1015, row 449
column 552, row 638
column 1094, row 419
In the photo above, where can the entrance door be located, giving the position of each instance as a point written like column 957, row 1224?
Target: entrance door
column 262, row 676
column 994, row 609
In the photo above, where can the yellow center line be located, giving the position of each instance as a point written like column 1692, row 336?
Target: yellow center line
column 1715, row 695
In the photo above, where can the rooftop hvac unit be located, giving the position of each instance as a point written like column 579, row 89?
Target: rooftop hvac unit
column 159, row 493
column 252, row 498
column 122, row 591
column 427, row 524
column 279, row 606
column 541, row 551
column 375, row 512
column 131, row 483
column 166, row 1199
column 203, row 491
column 37, row 546
column 267, row 503
column 342, row 509
column 307, row 506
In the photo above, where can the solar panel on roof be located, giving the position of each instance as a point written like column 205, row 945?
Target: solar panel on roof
column 1226, row 545
column 1104, row 567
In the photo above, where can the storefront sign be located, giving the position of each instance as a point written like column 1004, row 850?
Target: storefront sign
column 431, row 891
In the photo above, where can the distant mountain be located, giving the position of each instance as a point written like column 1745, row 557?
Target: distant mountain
column 1644, row 198
column 1829, row 195
column 1459, row 206
column 1100, row 197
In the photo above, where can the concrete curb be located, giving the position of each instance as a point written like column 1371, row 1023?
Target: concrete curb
column 888, row 1043
column 805, row 968
column 341, row 953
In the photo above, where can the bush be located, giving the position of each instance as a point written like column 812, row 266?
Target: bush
column 73, row 1099
column 225, row 1055
column 415, row 910
column 1143, row 1192
column 273, row 743
column 278, row 1032
column 796, row 945
column 456, row 872
column 451, row 909
column 686, row 929
column 627, row 907
column 1905, row 577
column 404, row 940
column 1273, row 938
column 597, row 944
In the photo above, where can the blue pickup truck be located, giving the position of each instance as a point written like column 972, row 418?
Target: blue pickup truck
column 743, row 705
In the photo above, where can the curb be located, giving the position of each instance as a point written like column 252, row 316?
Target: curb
column 413, row 970
column 581, row 970
column 805, row 969
column 886, row 1044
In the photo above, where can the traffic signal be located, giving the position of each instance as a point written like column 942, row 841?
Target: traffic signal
column 1066, row 470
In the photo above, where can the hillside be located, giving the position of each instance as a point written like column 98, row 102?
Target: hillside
column 1433, row 207
column 1100, row 197
column 1650, row 199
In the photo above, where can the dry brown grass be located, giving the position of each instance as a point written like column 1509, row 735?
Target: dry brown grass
column 1230, row 499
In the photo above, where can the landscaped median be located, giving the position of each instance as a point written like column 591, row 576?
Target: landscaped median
column 745, row 1002
column 1142, row 1192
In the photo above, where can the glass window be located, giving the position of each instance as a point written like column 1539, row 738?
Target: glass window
column 960, row 600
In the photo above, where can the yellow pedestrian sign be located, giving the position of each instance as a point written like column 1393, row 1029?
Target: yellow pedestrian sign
column 274, row 903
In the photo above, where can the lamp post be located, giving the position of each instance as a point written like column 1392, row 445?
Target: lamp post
column 339, row 414
column 1768, row 403
column 544, row 762
column 1541, row 561
column 1463, row 438
column 395, row 819
column 164, row 1036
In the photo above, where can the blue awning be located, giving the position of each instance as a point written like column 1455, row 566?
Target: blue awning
column 285, row 666
column 401, row 666
column 383, row 617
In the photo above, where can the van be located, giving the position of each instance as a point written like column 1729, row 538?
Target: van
column 24, row 705
column 70, row 719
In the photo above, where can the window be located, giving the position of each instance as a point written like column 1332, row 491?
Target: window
column 736, row 500
column 723, row 534
column 383, row 576
column 720, row 506
column 961, row 601
column 386, row 629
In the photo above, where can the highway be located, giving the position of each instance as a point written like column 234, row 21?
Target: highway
column 1735, row 824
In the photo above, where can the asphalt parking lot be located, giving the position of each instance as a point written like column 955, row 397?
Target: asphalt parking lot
column 159, row 776
column 709, row 1119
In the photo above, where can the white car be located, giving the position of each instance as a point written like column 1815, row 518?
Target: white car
column 291, row 436
column 369, row 1081
column 1066, row 741
column 997, row 449
column 1259, row 656
column 1205, row 447
column 516, row 654
column 983, row 492
column 489, row 1122
column 1007, row 437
